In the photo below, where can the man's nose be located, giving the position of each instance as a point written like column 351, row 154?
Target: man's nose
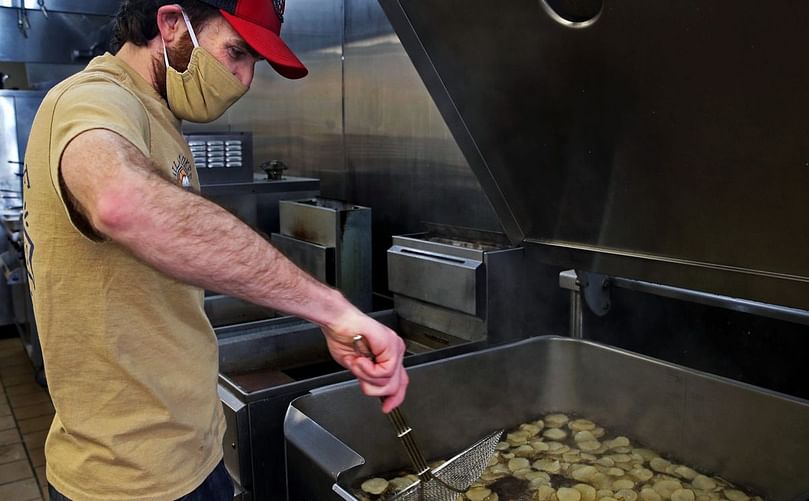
column 245, row 76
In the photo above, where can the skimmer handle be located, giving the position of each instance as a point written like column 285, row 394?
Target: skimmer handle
column 403, row 430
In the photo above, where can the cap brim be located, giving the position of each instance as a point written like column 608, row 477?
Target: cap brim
column 270, row 46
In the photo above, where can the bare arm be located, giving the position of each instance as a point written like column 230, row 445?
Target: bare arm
column 123, row 197
column 126, row 200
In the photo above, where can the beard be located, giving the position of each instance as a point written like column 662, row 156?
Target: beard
column 179, row 57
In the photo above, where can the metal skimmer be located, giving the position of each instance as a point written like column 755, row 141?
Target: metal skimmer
column 452, row 477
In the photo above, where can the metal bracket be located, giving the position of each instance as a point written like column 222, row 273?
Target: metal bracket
column 22, row 20
column 596, row 291
column 570, row 281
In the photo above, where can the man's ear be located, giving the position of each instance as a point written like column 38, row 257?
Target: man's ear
column 170, row 22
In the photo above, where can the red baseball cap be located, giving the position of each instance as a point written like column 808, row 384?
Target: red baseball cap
column 259, row 23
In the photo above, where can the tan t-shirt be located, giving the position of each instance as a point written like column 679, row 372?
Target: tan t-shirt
column 130, row 357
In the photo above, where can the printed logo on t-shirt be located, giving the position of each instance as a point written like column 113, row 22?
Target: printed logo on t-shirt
column 28, row 243
column 181, row 170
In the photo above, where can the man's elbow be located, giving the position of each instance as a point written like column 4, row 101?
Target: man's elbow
column 114, row 213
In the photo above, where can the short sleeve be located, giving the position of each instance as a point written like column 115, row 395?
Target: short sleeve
column 87, row 106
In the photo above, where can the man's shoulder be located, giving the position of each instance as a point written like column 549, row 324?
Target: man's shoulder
column 92, row 85
column 88, row 100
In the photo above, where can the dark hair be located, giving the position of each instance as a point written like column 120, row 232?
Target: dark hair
column 136, row 20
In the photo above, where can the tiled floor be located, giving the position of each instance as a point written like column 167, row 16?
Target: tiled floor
column 25, row 416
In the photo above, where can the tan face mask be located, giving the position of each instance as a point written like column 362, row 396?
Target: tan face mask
column 205, row 90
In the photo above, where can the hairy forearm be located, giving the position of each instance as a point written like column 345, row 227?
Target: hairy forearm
column 195, row 241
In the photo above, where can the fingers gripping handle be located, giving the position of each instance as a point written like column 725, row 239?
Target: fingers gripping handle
column 361, row 348
column 397, row 420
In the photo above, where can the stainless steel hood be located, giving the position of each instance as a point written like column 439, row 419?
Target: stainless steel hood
column 664, row 141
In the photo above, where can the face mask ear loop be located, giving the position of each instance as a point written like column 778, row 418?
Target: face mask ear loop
column 190, row 32
column 190, row 29
column 165, row 54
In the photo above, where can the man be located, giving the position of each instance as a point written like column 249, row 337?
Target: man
column 120, row 247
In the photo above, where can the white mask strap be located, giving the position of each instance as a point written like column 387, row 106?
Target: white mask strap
column 190, row 32
column 165, row 54
column 190, row 29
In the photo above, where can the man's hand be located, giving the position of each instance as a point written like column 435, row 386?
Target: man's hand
column 387, row 377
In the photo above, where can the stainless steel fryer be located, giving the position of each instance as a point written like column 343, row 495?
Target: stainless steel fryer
column 752, row 437
column 263, row 366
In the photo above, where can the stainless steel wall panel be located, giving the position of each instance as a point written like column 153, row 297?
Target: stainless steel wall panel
column 17, row 110
column 26, row 104
column 400, row 157
column 9, row 151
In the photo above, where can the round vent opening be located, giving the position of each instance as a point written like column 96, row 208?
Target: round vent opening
column 573, row 12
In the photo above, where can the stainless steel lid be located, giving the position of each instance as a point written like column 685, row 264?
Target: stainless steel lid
column 665, row 141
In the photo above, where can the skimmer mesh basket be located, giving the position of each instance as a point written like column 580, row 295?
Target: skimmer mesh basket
column 455, row 475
